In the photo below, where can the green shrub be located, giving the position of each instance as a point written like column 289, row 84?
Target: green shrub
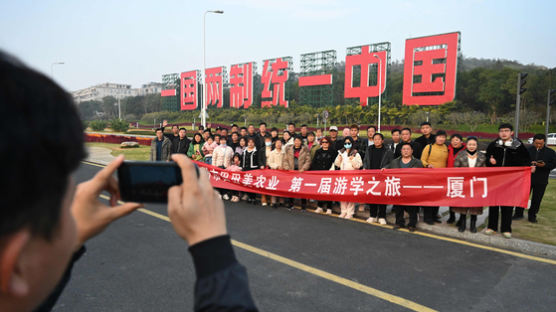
column 119, row 125
column 98, row 125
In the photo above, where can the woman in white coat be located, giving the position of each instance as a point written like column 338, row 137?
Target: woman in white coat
column 348, row 159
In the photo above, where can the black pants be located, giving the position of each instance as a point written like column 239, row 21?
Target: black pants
column 303, row 202
column 325, row 204
column 430, row 213
column 538, row 192
column 506, row 223
column 377, row 211
column 411, row 210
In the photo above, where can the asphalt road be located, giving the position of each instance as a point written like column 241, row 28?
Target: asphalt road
column 140, row 264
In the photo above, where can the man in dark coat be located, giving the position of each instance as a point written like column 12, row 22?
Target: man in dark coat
column 428, row 137
column 544, row 161
column 505, row 151
column 181, row 144
column 161, row 147
column 406, row 160
column 406, row 138
column 377, row 156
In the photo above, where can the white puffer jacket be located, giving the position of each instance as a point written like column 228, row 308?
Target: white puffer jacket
column 222, row 156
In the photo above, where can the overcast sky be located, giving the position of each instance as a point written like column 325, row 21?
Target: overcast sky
column 135, row 42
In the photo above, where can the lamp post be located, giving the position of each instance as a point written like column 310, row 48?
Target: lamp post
column 52, row 67
column 379, row 88
column 204, row 106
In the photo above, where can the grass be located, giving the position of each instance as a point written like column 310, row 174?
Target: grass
column 545, row 230
column 137, row 153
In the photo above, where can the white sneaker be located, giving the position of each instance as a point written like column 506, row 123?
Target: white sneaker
column 507, row 234
column 489, row 232
column 349, row 216
column 382, row 221
column 342, row 215
column 219, row 195
column 225, row 197
column 372, row 220
column 328, row 211
column 245, row 197
column 235, row 199
column 264, row 204
column 318, row 210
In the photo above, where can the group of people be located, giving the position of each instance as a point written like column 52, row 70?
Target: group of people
column 245, row 148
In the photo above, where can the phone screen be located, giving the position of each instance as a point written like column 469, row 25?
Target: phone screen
column 147, row 181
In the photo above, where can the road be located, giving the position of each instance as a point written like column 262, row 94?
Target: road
column 300, row 261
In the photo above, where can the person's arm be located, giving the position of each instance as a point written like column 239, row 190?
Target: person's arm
column 425, row 155
column 153, row 151
column 356, row 162
column 550, row 159
column 197, row 215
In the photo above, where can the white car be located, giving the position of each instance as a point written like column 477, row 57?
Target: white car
column 550, row 139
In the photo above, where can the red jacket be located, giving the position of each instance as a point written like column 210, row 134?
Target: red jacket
column 451, row 156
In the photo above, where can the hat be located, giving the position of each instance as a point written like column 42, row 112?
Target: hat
column 333, row 128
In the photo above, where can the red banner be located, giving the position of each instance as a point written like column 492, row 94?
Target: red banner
column 455, row 187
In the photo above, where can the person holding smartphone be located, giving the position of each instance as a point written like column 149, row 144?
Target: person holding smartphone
column 46, row 218
column 543, row 161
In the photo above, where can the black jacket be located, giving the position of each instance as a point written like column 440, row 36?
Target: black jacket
column 417, row 149
column 514, row 155
column 250, row 160
column 323, row 160
column 386, row 158
column 542, row 173
column 423, row 141
column 221, row 283
column 180, row 146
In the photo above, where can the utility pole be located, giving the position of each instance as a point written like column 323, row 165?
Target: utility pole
column 551, row 92
column 521, row 81
column 119, row 110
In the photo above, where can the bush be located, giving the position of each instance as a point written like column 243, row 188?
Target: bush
column 119, row 125
column 98, row 125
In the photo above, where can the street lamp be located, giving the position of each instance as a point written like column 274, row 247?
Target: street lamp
column 52, row 67
column 204, row 106
column 379, row 88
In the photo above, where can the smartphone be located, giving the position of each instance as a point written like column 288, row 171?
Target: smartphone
column 148, row 181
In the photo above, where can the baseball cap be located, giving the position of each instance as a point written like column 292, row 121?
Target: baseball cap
column 333, row 128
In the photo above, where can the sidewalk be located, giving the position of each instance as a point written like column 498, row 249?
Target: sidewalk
column 102, row 155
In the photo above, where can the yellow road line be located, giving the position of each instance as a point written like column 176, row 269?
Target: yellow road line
column 439, row 237
column 311, row 270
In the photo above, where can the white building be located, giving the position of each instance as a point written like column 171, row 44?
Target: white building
column 98, row 92
column 150, row 88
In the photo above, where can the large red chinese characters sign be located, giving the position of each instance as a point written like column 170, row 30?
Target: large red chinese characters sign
column 188, row 90
column 214, row 84
column 365, row 61
column 241, row 85
column 274, row 77
column 430, row 69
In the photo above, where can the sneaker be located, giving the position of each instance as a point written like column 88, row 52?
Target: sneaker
column 291, row 208
column 533, row 221
column 328, row 211
column 371, row 220
column 235, row 199
column 489, row 231
column 517, row 217
column 226, row 197
column 219, row 195
column 245, row 197
column 342, row 215
column 348, row 216
column 429, row 222
column 318, row 210
column 264, row 204
column 507, row 234
column 397, row 227
column 382, row 221
column 411, row 228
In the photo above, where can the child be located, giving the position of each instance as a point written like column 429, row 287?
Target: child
column 235, row 166
column 208, row 148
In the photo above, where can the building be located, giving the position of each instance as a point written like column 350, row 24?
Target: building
column 150, row 88
column 98, row 92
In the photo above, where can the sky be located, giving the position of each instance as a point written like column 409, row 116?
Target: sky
column 135, row 42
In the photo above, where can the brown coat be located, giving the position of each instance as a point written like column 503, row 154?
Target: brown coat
column 304, row 161
column 462, row 161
